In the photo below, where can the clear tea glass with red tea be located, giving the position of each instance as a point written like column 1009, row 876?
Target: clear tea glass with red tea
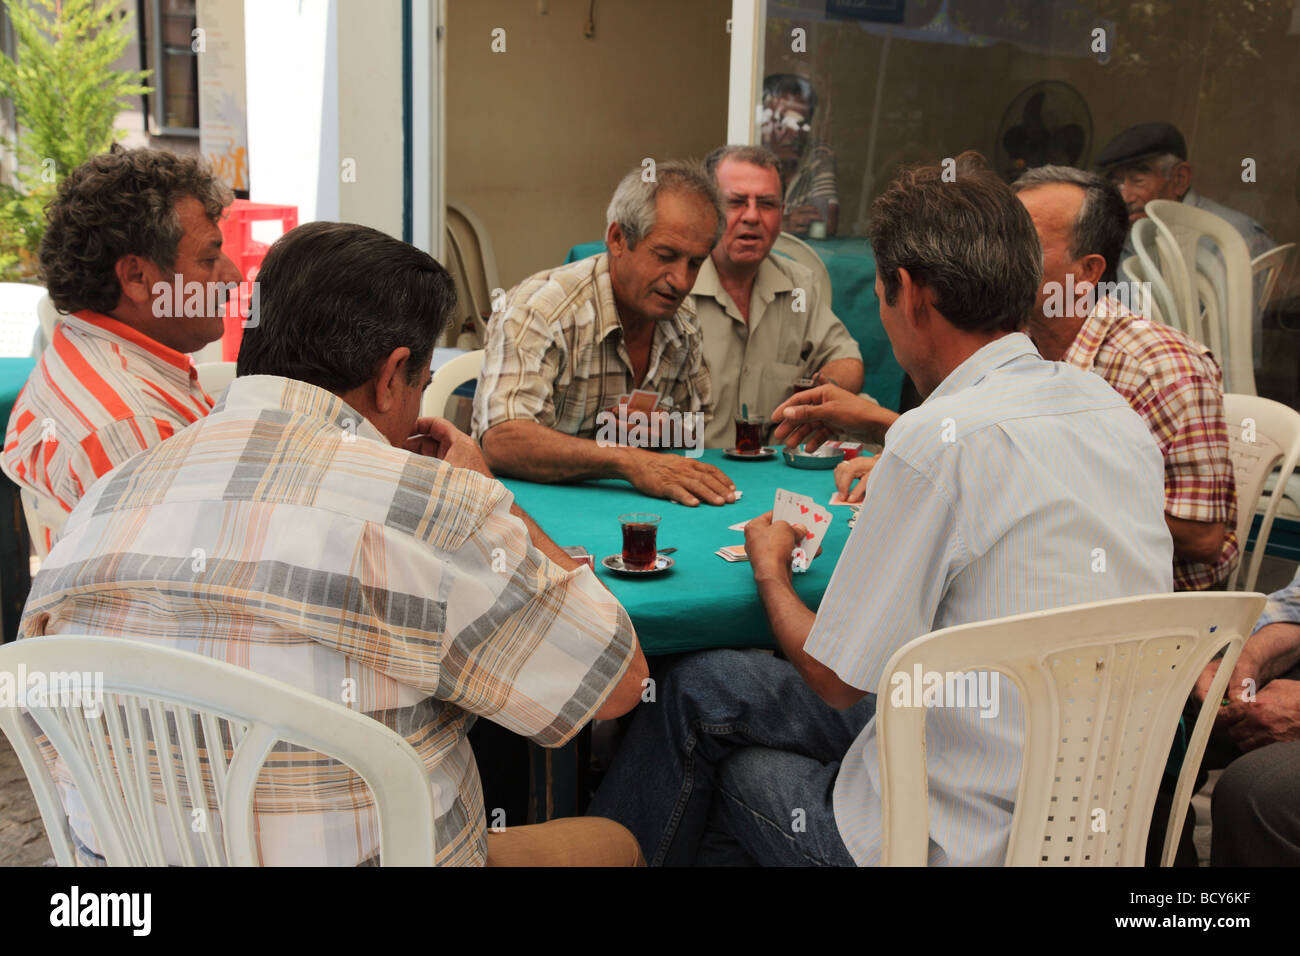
column 639, row 548
column 749, row 435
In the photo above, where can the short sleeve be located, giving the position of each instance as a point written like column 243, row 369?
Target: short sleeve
column 1283, row 606
column 528, row 645
column 894, row 570
column 520, row 365
column 1188, row 422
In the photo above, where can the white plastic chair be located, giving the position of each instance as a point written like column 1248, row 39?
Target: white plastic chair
column 19, row 317
column 224, row 721
column 1267, row 268
column 49, row 318
column 447, row 379
column 215, row 376
column 1261, row 434
column 1152, row 249
column 472, row 261
column 1131, row 270
column 1185, row 226
column 1102, row 687
column 804, row 254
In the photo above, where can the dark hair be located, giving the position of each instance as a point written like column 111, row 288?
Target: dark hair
column 334, row 301
column 965, row 237
column 791, row 84
column 1101, row 226
column 754, row 155
column 116, row 204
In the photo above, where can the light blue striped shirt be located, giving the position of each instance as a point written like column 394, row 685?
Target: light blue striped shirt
column 1008, row 490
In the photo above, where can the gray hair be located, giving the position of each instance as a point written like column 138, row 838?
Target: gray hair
column 634, row 205
column 1102, row 223
column 969, row 241
column 754, row 155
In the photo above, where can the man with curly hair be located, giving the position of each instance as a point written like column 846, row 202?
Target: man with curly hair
column 130, row 236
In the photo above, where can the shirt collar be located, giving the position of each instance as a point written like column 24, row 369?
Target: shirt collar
column 1082, row 352
column 770, row 281
column 106, row 327
column 249, row 395
column 1001, row 351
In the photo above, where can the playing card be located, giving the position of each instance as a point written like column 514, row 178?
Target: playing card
column 838, row 499
column 732, row 552
column 786, row 505
column 817, row 521
column 738, row 526
column 643, row 401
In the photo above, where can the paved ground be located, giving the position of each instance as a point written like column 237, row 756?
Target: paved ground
column 22, row 837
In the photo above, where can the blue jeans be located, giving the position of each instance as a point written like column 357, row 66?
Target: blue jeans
column 734, row 763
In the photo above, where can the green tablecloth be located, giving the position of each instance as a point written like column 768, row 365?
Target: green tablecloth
column 703, row 601
column 852, row 268
column 13, row 376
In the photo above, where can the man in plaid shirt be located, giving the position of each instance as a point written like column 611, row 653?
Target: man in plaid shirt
column 1170, row 380
column 313, row 530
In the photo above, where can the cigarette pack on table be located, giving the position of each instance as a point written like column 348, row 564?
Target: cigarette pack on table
column 580, row 554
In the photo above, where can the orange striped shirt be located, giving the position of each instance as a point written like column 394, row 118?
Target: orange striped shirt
column 101, row 393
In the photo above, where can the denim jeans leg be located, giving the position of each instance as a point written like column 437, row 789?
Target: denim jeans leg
column 660, row 784
column 778, row 808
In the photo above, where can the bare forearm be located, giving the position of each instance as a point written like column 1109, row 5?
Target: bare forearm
column 846, row 373
column 534, row 452
column 1196, row 540
column 791, row 623
column 1275, row 649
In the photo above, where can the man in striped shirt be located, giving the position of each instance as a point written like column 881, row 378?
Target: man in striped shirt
column 127, row 229
column 313, row 530
column 1170, row 380
column 1018, row 485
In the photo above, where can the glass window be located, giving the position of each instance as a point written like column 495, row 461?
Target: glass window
column 168, row 34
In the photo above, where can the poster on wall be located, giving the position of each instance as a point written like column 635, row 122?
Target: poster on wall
column 223, row 108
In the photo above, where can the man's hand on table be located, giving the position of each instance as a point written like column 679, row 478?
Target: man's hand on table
column 439, row 438
column 855, row 469
column 819, row 414
column 684, row 480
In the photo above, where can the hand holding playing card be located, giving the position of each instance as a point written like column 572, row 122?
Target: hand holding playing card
column 769, row 545
column 856, row 469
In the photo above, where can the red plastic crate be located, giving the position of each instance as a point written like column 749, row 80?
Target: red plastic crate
column 247, row 254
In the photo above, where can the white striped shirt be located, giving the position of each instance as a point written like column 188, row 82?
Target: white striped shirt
column 990, row 499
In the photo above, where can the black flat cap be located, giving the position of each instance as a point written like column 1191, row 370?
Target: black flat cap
column 1138, row 142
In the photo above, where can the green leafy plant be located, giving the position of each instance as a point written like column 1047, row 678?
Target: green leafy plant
column 66, row 96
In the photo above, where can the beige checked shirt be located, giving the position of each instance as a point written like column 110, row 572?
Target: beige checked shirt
column 756, row 363
column 1174, row 383
column 391, row 582
column 555, row 354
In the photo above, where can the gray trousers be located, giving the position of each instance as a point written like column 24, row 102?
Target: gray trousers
column 1256, row 809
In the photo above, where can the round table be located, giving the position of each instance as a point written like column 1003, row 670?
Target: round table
column 703, row 601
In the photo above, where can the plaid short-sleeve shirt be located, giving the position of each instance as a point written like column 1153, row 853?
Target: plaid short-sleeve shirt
column 1175, row 384
column 389, row 582
column 555, row 354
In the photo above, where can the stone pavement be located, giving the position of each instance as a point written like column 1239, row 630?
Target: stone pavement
column 22, row 837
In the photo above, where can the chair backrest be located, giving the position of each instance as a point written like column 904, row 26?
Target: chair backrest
column 1148, row 245
column 19, row 317
column 1102, row 687
column 447, row 379
column 49, row 318
column 215, row 377
column 44, row 519
column 1131, row 271
column 472, row 262
column 1186, row 226
column 1261, row 434
column 1267, row 268
column 804, row 254
column 223, row 721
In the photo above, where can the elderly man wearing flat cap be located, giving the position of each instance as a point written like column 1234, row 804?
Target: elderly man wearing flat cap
column 1149, row 161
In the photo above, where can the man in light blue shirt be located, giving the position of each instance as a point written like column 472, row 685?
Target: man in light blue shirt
column 1018, row 485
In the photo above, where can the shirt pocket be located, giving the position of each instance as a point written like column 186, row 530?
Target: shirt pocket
column 776, row 384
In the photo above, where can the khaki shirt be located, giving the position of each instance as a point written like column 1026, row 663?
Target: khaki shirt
column 555, row 354
column 757, row 364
